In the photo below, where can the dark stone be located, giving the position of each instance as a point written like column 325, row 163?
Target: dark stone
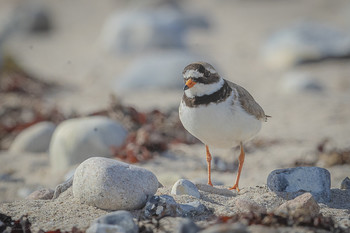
column 292, row 182
column 345, row 184
column 160, row 206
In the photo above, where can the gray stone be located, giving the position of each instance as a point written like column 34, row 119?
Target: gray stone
column 160, row 206
column 63, row 187
column 214, row 190
column 104, row 228
column 185, row 187
column 113, row 185
column 120, row 218
column 164, row 68
column 192, row 209
column 35, row 139
column 187, row 226
column 345, row 184
column 41, row 194
column 301, row 206
column 76, row 140
column 292, row 182
column 303, row 42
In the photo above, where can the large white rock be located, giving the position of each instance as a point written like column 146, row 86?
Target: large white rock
column 76, row 140
column 305, row 42
column 35, row 139
column 155, row 71
column 148, row 28
column 113, row 185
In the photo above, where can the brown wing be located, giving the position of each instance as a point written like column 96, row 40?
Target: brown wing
column 247, row 102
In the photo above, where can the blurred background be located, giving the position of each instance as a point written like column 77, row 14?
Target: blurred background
column 60, row 59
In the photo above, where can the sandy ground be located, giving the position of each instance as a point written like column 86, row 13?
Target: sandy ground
column 72, row 57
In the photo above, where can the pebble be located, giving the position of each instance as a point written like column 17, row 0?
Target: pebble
column 292, row 182
column 186, row 225
column 121, row 218
column 192, row 209
column 76, row 140
column 301, row 206
column 34, row 139
column 104, row 228
column 303, row 42
column 214, row 190
column 160, row 206
column 41, row 194
column 113, row 185
column 63, row 187
column 245, row 205
column 164, row 68
column 345, row 184
column 185, row 187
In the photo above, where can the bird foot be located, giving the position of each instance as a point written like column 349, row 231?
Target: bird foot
column 235, row 187
column 209, row 183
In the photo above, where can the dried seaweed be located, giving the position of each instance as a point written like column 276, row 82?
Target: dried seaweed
column 16, row 226
column 273, row 220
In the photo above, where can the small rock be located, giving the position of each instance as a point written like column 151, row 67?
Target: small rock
column 301, row 206
column 41, row 194
column 187, row 226
column 63, row 187
column 185, row 187
column 120, row 218
column 35, row 139
column 218, row 191
column 76, row 140
column 227, row 228
column 160, row 206
column 245, row 205
column 292, row 182
column 192, row 209
column 113, row 185
column 345, row 184
column 104, row 228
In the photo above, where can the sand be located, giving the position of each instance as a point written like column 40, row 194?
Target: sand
column 72, row 57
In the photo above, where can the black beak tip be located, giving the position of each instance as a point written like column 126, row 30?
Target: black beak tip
column 186, row 87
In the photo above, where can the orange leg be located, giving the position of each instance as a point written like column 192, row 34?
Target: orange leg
column 209, row 165
column 241, row 161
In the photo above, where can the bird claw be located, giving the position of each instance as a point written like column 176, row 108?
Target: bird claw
column 235, row 187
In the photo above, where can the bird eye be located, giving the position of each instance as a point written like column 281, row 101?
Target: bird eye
column 206, row 73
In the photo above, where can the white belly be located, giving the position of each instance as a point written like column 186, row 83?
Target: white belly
column 220, row 125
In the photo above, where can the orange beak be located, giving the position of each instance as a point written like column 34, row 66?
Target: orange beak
column 189, row 83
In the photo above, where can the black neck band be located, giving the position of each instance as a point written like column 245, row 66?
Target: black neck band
column 220, row 95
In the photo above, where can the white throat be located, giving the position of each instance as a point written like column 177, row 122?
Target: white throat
column 200, row 89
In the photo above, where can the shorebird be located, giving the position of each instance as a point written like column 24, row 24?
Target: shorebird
column 218, row 112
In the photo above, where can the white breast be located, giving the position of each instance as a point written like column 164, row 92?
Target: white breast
column 222, row 125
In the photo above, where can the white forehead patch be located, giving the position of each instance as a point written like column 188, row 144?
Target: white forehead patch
column 193, row 74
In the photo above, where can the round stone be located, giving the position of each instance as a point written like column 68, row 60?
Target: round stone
column 76, row 140
column 113, row 185
column 35, row 139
